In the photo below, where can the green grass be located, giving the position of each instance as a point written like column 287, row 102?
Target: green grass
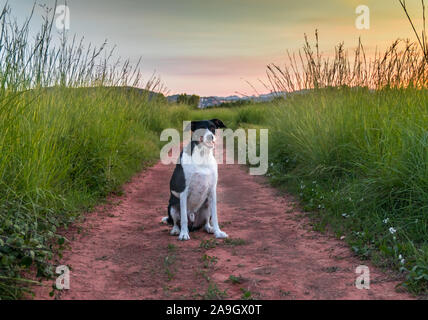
column 72, row 131
column 63, row 150
column 359, row 159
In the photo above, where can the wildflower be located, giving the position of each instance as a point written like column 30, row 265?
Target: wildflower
column 345, row 215
column 392, row 230
column 386, row 220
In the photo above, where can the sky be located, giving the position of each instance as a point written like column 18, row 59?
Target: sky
column 215, row 47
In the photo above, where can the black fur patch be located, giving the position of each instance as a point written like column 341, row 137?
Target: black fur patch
column 219, row 124
column 178, row 180
column 211, row 125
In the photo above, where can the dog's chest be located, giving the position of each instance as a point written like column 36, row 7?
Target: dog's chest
column 201, row 180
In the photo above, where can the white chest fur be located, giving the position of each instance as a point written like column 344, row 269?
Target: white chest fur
column 200, row 171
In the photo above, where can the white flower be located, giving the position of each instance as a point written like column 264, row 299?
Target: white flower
column 400, row 257
column 402, row 261
column 345, row 215
column 386, row 220
column 392, row 230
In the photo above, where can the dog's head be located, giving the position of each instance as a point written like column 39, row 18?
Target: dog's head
column 204, row 131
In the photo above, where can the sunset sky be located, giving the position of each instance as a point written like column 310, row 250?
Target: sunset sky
column 214, row 47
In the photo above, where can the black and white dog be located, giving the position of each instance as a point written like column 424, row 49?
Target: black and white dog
column 193, row 186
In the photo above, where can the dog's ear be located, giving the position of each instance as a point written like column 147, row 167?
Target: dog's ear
column 192, row 126
column 218, row 123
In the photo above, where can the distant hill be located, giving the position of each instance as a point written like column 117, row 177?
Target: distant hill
column 217, row 100
column 129, row 90
column 205, row 102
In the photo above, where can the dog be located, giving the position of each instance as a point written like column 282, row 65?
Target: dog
column 193, row 186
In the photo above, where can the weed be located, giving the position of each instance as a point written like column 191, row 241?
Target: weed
column 234, row 242
column 214, row 293
column 246, row 294
column 208, row 244
column 235, row 280
column 209, row 261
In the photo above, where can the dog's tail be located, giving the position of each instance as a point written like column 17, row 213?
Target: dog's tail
column 165, row 220
column 168, row 219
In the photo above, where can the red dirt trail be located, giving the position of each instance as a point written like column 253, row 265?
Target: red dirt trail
column 124, row 252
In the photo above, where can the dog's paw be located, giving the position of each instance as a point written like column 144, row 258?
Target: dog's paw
column 184, row 236
column 164, row 220
column 209, row 229
column 221, row 235
column 175, row 231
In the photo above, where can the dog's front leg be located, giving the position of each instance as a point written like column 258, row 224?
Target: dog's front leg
column 184, row 232
column 214, row 219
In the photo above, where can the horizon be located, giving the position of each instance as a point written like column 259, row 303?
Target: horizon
column 217, row 49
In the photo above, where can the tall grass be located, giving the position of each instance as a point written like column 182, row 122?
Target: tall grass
column 353, row 144
column 403, row 65
column 71, row 131
column 359, row 158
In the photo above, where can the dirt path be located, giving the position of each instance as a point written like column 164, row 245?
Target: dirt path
column 124, row 252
